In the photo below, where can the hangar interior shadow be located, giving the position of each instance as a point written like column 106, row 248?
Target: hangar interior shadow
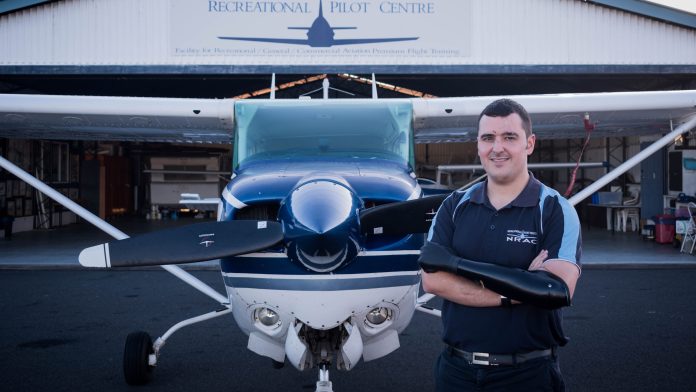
column 294, row 85
column 439, row 85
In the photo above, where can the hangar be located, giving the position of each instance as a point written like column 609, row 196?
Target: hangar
column 226, row 49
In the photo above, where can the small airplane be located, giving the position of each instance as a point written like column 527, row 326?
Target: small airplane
column 320, row 226
column 320, row 35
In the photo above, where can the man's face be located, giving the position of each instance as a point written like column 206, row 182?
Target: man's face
column 503, row 147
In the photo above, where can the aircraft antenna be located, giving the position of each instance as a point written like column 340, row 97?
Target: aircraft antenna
column 374, row 87
column 325, row 87
column 273, row 85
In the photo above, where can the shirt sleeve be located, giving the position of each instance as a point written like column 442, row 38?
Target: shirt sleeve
column 442, row 227
column 561, row 230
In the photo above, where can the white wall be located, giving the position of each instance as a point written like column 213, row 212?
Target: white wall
column 480, row 32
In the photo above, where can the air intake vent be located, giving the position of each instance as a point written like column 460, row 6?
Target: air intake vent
column 263, row 211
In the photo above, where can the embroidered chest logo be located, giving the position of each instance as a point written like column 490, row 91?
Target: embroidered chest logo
column 521, row 236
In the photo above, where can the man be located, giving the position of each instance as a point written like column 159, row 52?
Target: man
column 505, row 256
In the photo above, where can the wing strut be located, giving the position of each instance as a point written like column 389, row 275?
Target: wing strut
column 422, row 307
column 107, row 228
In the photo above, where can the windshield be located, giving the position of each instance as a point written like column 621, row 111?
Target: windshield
column 323, row 129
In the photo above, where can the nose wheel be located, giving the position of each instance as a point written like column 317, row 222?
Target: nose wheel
column 324, row 385
column 136, row 358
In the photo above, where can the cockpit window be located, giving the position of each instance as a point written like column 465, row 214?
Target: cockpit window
column 326, row 129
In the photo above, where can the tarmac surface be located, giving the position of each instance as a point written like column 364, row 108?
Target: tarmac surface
column 630, row 330
column 63, row 327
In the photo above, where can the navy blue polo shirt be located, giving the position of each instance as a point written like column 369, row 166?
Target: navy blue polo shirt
column 539, row 218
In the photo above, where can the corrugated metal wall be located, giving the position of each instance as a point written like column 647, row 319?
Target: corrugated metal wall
column 574, row 32
column 136, row 32
column 87, row 32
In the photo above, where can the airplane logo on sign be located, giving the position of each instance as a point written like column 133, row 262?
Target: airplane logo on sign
column 321, row 35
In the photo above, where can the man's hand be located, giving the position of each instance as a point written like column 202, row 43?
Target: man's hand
column 436, row 257
column 538, row 260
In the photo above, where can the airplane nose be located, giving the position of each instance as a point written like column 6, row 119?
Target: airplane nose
column 320, row 220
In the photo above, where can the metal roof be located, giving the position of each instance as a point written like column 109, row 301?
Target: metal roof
column 640, row 7
column 7, row 6
column 651, row 10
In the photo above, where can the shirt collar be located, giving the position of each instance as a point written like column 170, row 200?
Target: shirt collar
column 529, row 197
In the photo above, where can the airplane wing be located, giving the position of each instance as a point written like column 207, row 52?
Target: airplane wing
column 560, row 116
column 116, row 118
column 438, row 120
column 356, row 41
column 272, row 40
column 333, row 28
column 335, row 42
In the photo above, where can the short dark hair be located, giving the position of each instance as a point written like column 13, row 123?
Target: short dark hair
column 505, row 107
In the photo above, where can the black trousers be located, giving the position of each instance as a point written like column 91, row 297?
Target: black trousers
column 453, row 373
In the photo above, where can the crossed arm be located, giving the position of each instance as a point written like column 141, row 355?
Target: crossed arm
column 459, row 280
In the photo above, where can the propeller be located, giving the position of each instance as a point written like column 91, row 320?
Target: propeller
column 214, row 240
column 187, row 244
column 401, row 218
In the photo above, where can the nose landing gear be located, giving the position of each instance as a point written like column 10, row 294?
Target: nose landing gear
column 324, row 385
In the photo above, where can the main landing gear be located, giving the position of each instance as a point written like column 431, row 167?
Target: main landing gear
column 140, row 355
column 136, row 358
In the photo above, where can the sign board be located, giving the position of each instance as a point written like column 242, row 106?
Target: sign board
column 311, row 32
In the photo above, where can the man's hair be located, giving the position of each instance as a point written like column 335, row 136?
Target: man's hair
column 505, row 107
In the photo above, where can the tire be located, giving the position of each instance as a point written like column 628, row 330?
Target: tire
column 136, row 366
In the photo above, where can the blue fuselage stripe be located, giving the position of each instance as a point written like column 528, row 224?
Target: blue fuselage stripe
column 321, row 284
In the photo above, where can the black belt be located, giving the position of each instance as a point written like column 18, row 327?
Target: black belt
column 488, row 359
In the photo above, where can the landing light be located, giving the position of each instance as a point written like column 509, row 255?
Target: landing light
column 377, row 316
column 267, row 317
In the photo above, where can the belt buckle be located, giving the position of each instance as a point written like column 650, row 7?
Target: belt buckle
column 476, row 361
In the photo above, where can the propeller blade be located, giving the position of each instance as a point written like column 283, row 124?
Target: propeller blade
column 401, row 218
column 188, row 244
